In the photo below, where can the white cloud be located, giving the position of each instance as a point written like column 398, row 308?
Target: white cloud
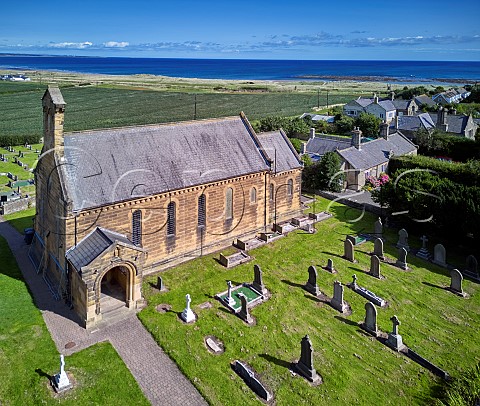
column 70, row 45
column 115, row 44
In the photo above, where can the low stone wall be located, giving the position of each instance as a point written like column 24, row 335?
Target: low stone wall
column 17, row 205
column 356, row 205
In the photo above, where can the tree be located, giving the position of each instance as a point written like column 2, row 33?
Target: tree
column 297, row 144
column 344, row 124
column 369, row 124
column 324, row 174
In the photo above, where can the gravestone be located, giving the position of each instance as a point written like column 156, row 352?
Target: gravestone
column 251, row 380
column 187, row 315
column 330, row 267
column 472, row 266
column 456, row 282
column 378, row 248
column 378, row 228
column 370, row 322
column 229, row 299
column 352, row 239
column 304, row 366
column 244, row 314
column 337, row 301
column 311, row 285
column 160, row 285
column 258, row 280
column 403, row 239
column 402, row 259
column 60, row 380
column 394, row 339
column 423, row 252
column 375, row 266
column 440, row 255
column 349, row 250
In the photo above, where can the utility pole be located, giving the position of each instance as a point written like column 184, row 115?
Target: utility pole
column 318, row 98
column 327, row 99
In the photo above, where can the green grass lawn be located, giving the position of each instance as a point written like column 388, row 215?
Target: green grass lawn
column 356, row 368
column 21, row 219
column 28, row 355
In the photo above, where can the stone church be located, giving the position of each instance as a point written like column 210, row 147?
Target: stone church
column 114, row 205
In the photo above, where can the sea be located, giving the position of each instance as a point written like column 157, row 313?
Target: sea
column 254, row 69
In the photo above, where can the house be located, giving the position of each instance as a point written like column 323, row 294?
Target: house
column 409, row 125
column 424, row 101
column 318, row 145
column 319, row 117
column 405, row 107
column 451, row 96
column 455, row 124
column 381, row 108
column 371, row 158
column 114, row 205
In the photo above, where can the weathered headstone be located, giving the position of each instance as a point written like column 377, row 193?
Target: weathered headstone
column 378, row 248
column 337, row 301
column 311, row 285
column 251, row 380
column 370, row 322
column 352, row 239
column 402, row 259
column 330, row 266
column 472, row 266
column 305, row 365
column 258, row 280
column 244, row 314
column 403, row 239
column 187, row 315
column 456, row 282
column 378, row 228
column 349, row 250
column 440, row 255
column 60, row 380
column 394, row 339
column 375, row 266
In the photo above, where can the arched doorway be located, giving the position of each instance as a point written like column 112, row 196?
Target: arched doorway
column 114, row 289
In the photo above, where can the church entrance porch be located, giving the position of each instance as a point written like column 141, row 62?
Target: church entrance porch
column 113, row 289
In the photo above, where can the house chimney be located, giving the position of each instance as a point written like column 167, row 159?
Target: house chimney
column 312, row 133
column 442, row 119
column 396, row 122
column 357, row 138
column 392, row 96
column 375, row 98
column 384, row 130
column 53, row 118
column 303, row 148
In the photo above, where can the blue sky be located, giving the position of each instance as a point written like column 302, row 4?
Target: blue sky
column 423, row 30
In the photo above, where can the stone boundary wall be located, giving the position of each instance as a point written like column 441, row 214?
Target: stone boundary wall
column 356, row 205
column 17, row 205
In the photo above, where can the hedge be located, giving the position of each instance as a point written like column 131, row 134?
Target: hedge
column 8, row 140
column 467, row 173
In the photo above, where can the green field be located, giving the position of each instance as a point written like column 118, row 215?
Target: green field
column 356, row 369
column 90, row 107
column 28, row 355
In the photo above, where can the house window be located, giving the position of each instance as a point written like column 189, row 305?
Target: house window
column 367, row 173
column 271, row 191
column 137, row 228
column 384, row 167
column 290, row 187
column 253, row 195
column 229, row 204
column 202, row 203
column 381, row 115
column 171, row 218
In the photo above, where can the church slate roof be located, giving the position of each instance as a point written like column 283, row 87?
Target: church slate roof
column 113, row 165
column 278, row 147
column 93, row 245
column 374, row 153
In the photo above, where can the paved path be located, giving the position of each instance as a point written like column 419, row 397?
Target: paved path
column 158, row 376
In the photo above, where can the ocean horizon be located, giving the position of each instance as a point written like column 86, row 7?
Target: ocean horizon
column 254, row 69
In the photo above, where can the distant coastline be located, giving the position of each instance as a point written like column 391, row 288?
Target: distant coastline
column 400, row 72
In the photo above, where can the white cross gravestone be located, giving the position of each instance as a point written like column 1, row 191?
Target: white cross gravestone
column 440, row 255
column 60, row 380
column 187, row 315
column 394, row 339
column 229, row 299
column 423, row 252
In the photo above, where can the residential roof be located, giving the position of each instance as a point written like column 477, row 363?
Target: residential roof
column 376, row 152
column 413, row 123
column 364, row 102
column 401, row 104
column 278, row 147
column 326, row 143
column 456, row 123
column 319, row 117
column 113, row 165
column 387, row 105
column 424, row 99
column 93, row 245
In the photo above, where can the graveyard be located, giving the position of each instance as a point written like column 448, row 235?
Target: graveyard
column 354, row 366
